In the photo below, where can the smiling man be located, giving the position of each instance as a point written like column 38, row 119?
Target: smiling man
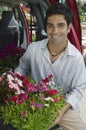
column 57, row 30
column 56, row 55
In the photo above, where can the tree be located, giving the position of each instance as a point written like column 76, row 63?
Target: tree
column 82, row 9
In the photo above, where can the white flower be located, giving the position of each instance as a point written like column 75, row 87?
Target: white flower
column 19, row 92
column 46, row 105
column 18, row 81
column 50, row 83
column 48, row 99
column 10, row 77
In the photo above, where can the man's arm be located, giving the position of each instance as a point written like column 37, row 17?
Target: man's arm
column 60, row 114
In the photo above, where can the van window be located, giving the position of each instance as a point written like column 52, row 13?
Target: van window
column 4, row 8
column 35, row 14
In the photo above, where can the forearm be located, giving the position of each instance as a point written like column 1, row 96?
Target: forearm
column 23, row 67
column 60, row 114
column 65, row 108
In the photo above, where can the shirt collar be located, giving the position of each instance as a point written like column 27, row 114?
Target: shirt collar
column 70, row 50
column 45, row 42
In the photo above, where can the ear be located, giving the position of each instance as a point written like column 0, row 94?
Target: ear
column 69, row 27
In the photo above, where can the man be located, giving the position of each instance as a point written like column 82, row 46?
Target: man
column 56, row 55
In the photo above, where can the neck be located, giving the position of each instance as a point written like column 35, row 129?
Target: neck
column 56, row 50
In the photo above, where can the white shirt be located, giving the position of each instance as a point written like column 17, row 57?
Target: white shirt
column 68, row 70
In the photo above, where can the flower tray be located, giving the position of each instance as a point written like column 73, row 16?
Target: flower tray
column 5, row 126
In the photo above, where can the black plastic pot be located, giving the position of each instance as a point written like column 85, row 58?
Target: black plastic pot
column 5, row 127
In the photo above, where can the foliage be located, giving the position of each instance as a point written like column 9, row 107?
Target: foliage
column 82, row 9
column 29, row 105
column 9, row 56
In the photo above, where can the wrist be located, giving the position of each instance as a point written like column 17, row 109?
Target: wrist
column 65, row 109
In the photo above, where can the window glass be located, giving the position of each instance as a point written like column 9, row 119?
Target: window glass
column 35, row 14
column 4, row 8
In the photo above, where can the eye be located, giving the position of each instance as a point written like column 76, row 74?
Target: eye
column 61, row 25
column 49, row 25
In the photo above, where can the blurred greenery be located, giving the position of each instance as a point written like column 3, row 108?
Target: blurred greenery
column 82, row 9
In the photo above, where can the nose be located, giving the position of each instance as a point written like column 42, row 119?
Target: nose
column 55, row 30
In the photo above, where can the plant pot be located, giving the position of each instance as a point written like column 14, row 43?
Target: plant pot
column 5, row 127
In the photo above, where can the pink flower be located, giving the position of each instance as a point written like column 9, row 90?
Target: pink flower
column 22, row 98
column 33, row 106
column 14, row 86
column 24, row 114
column 0, row 79
column 18, row 81
column 19, row 101
column 39, row 106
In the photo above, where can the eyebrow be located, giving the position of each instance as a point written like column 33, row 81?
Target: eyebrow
column 57, row 24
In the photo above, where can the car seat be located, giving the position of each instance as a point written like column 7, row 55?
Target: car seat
column 9, row 29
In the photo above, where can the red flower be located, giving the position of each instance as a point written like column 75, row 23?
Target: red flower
column 24, row 78
column 55, row 100
column 62, row 97
column 26, row 82
column 52, row 1
column 45, row 80
column 50, row 76
column 13, row 99
column 51, row 92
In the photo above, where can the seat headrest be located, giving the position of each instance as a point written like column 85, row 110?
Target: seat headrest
column 8, row 19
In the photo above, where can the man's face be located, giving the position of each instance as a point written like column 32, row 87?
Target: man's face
column 57, row 29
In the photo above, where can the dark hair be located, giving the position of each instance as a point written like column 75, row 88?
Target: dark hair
column 59, row 8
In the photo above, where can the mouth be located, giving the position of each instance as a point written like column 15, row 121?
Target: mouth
column 54, row 38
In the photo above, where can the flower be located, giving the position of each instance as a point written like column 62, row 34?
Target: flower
column 9, row 57
column 28, row 105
